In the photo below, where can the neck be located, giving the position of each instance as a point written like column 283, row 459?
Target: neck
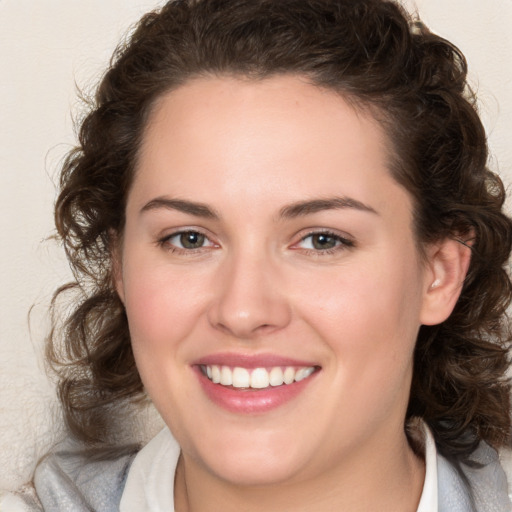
column 386, row 478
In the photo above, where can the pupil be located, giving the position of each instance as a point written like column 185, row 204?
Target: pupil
column 323, row 242
column 192, row 240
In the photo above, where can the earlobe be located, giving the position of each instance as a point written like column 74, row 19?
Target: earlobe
column 447, row 266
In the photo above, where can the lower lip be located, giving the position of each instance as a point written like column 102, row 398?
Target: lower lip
column 252, row 401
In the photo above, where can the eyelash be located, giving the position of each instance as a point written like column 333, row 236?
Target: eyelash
column 341, row 243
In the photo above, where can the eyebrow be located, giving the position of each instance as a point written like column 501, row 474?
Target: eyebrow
column 291, row 211
column 181, row 205
column 302, row 208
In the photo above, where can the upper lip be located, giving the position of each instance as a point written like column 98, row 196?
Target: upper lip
column 251, row 361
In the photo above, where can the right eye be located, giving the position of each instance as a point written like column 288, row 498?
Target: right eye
column 186, row 241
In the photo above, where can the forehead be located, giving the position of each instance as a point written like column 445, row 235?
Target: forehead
column 248, row 105
column 247, row 138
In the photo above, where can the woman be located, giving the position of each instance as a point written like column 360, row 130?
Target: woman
column 283, row 231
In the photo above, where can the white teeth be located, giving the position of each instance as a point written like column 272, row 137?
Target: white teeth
column 303, row 373
column 215, row 374
column 289, row 375
column 258, row 378
column 276, row 377
column 226, row 377
column 241, row 378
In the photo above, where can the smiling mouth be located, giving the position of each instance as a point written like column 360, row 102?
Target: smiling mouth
column 256, row 378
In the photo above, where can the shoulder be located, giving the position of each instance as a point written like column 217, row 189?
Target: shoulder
column 481, row 487
column 69, row 480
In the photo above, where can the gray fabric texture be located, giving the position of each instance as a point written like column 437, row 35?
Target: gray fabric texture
column 66, row 482
column 488, row 484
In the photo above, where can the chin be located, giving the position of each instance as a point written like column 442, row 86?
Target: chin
column 253, row 463
column 255, row 472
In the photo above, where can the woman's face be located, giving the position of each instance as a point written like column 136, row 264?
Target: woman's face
column 266, row 242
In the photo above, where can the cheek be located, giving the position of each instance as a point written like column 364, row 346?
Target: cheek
column 369, row 313
column 162, row 306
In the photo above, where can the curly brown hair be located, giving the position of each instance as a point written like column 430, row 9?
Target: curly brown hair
column 374, row 55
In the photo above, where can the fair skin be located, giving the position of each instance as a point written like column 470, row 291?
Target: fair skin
column 263, row 228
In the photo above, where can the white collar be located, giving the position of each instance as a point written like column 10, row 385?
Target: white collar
column 429, row 501
column 150, row 483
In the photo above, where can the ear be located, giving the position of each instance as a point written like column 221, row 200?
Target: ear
column 116, row 257
column 446, row 268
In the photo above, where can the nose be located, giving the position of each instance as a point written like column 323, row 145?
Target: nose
column 250, row 300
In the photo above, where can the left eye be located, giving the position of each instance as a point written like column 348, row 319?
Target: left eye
column 188, row 240
column 323, row 241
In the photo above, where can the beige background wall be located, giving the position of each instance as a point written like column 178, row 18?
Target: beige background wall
column 46, row 46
